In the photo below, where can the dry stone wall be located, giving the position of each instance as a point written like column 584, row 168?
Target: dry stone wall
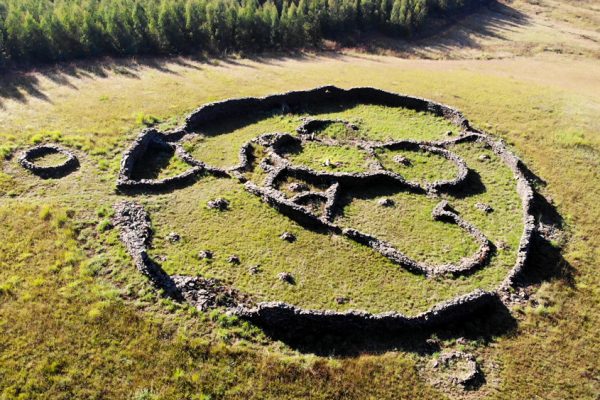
column 133, row 227
column 27, row 161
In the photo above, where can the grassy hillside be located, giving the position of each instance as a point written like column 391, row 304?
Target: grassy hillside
column 78, row 321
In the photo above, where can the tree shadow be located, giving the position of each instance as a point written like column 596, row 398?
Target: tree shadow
column 444, row 34
column 21, row 85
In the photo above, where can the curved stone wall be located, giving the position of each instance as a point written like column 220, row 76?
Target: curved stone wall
column 55, row 171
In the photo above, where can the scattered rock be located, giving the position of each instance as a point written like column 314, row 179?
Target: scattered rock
column 461, row 341
column 286, row 277
column 205, row 293
column 233, row 259
column 205, row 255
column 484, row 157
column 298, row 187
column 288, row 237
column 386, row 202
column 342, row 300
column 173, row 237
column 218, row 204
column 486, row 208
column 449, row 133
column 461, row 368
column 402, row 160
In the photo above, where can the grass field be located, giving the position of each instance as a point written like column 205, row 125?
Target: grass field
column 78, row 321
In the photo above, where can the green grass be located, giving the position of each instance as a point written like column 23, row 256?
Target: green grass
column 50, row 160
column 424, row 167
column 78, row 321
column 159, row 164
column 327, row 158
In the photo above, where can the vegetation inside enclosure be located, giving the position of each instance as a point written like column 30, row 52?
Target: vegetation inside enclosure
column 158, row 163
column 324, row 266
column 374, row 122
column 46, row 30
column 343, row 158
column 418, row 166
column 50, row 159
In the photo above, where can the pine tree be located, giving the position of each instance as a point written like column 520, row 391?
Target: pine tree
column 195, row 23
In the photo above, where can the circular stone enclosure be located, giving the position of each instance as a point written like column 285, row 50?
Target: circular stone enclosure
column 28, row 161
column 327, row 188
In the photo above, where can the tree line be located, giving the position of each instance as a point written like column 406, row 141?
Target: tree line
column 34, row 31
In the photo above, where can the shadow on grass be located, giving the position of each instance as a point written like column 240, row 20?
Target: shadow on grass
column 490, row 322
column 445, row 34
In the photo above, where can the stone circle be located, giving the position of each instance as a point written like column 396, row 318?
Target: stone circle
column 27, row 161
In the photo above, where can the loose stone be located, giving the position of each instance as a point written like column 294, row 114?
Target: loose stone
column 286, row 277
column 298, row 187
column 205, row 254
column 253, row 270
column 173, row 237
column 218, row 204
column 386, row 202
column 402, row 160
column 233, row 259
column 484, row 207
column 288, row 237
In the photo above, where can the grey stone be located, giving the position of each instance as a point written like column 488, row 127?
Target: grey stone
column 286, row 277
column 220, row 204
column 173, row 237
column 486, row 208
column 205, row 255
column 288, row 237
column 386, row 202
column 401, row 160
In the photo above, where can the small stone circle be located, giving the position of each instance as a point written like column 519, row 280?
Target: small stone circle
column 27, row 161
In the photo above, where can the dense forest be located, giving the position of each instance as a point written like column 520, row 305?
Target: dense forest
column 53, row 30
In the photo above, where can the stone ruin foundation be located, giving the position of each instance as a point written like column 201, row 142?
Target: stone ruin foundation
column 135, row 229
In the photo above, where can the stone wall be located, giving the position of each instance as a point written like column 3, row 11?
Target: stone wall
column 282, row 314
column 141, row 145
column 26, row 159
